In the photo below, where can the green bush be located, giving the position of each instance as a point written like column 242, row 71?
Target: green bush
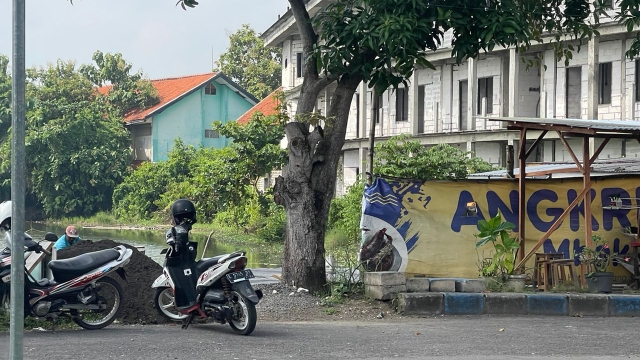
column 346, row 211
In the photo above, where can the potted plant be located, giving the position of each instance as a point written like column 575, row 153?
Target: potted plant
column 505, row 250
column 597, row 259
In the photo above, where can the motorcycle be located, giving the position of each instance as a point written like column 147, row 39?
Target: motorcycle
column 216, row 288
column 81, row 288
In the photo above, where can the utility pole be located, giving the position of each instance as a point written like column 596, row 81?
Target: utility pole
column 18, row 173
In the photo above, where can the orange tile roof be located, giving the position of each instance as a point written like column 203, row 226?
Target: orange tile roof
column 268, row 106
column 169, row 89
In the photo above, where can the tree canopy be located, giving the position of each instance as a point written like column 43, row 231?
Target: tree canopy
column 249, row 63
column 77, row 147
column 383, row 42
column 402, row 157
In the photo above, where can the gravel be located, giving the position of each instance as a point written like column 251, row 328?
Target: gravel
column 286, row 303
column 280, row 302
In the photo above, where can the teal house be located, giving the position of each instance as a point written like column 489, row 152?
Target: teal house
column 187, row 108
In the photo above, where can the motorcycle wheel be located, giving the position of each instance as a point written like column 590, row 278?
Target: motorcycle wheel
column 244, row 314
column 164, row 302
column 108, row 292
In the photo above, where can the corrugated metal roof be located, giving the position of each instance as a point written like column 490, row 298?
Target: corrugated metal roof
column 624, row 126
column 599, row 168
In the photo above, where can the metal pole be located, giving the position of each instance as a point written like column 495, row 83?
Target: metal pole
column 17, row 181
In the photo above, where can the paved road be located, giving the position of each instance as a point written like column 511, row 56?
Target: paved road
column 451, row 337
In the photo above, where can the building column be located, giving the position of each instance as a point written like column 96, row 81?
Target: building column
column 413, row 102
column 549, row 83
column 514, row 72
column 471, row 148
column 592, row 78
column 472, row 93
column 362, row 104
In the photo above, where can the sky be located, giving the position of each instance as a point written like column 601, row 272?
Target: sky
column 155, row 36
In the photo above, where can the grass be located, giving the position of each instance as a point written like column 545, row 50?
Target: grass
column 102, row 218
column 33, row 323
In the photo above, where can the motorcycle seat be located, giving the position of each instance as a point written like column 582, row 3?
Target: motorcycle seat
column 204, row 264
column 67, row 269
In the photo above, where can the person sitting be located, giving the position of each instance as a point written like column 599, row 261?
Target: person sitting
column 69, row 238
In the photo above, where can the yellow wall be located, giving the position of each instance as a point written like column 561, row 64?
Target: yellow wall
column 439, row 236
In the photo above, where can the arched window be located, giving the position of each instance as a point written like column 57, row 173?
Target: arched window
column 210, row 89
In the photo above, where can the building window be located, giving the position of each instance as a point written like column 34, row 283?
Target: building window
column 211, row 134
column 604, row 83
column 210, row 89
column 378, row 109
column 299, row 71
column 637, row 79
column 485, row 90
column 402, row 104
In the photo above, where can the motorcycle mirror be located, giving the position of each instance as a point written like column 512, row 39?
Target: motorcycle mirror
column 164, row 251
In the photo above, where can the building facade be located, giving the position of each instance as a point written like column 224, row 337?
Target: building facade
column 442, row 105
column 187, row 109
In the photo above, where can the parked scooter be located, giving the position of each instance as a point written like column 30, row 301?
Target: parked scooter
column 81, row 288
column 216, row 288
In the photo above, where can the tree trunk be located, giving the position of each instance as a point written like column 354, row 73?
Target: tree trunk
column 307, row 187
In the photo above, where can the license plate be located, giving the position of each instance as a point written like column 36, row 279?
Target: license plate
column 240, row 276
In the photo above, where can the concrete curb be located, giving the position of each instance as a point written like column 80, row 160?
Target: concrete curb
column 456, row 303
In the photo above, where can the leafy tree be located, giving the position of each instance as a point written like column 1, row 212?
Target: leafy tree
column 257, row 144
column 382, row 42
column 128, row 91
column 137, row 197
column 5, row 96
column 346, row 211
column 5, row 124
column 87, row 154
column 402, row 157
column 77, row 146
column 249, row 63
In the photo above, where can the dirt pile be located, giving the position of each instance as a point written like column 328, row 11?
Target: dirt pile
column 141, row 272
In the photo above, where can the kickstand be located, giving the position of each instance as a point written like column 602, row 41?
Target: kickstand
column 53, row 325
column 186, row 323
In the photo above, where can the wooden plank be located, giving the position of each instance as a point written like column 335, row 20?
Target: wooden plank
column 550, row 172
column 573, row 156
column 598, row 151
column 561, row 128
column 522, row 210
column 535, row 143
column 553, row 227
column 587, row 185
column 34, row 259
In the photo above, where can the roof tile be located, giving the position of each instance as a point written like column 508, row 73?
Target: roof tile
column 169, row 89
column 268, row 106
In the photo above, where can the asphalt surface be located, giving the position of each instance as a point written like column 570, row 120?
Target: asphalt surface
column 480, row 337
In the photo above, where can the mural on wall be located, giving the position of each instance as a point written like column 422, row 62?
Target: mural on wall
column 427, row 228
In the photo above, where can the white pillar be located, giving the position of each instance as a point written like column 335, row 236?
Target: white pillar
column 592, row 78
column 514, row 71
column 362, row 121
column 471, row 148
column 472, row 93
column 413, row 102
column 549, row 84
column 623, row 81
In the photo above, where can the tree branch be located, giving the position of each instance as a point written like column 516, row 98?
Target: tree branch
column 308, row 35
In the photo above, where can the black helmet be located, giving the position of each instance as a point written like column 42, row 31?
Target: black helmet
column 183, row 211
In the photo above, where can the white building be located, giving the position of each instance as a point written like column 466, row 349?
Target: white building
column 439, row 105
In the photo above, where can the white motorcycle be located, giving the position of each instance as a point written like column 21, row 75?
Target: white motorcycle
column 216, row 288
